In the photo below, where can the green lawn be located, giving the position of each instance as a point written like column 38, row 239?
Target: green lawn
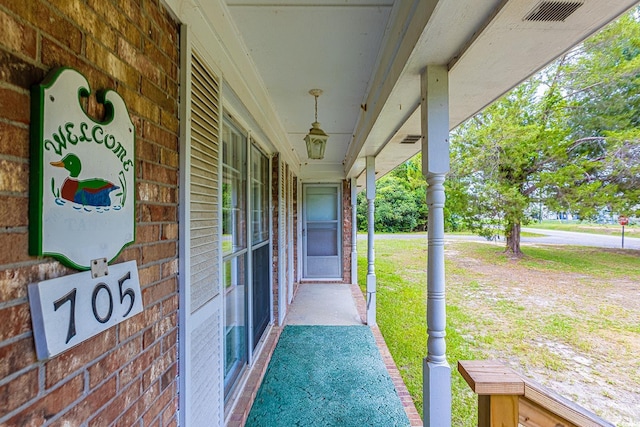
column 529, row 311
column 586, row 227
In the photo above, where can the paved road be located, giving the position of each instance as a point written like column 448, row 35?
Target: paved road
column 552, row 237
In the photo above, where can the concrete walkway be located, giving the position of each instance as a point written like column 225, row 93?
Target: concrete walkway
column 323, row 304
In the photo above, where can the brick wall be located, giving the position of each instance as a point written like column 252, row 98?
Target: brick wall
column 128, row 373
column 275, row 182
column 347, row 230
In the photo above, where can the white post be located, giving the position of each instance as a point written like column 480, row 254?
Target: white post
column 435, row 165
column 371, row 274
column 354, row 231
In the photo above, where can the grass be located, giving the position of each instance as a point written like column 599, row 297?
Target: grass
column 488, row 320
column 586, row 227
column 599, row 262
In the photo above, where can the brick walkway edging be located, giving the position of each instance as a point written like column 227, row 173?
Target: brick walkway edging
column 390, row 364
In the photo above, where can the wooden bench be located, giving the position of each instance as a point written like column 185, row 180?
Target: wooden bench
column 506, row 399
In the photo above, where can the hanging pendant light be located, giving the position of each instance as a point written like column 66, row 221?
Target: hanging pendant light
column 316, row 139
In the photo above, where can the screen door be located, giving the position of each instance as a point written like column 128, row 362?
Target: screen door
column 321, row 231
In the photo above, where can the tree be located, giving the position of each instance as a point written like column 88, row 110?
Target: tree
column 567, row 137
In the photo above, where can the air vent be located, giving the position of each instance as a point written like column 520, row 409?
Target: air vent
column 411, row 139
column 553, row 11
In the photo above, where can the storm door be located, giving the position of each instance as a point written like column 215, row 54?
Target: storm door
column 322, row 231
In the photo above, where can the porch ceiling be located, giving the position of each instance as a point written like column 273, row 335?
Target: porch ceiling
column 367, row 56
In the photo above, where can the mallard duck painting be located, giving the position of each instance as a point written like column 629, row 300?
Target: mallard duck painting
column 88, row 192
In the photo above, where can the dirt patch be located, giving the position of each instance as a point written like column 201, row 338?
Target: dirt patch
column 575, row 333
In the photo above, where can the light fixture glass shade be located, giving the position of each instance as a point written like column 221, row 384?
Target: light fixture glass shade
column 316, row 141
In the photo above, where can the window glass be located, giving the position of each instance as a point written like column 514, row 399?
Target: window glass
column 259, row 196
column 234, row 200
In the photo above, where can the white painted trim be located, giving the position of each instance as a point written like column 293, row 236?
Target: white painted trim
column 222, row 45
column 184, row 267
column 371, row 257
column 435, row 164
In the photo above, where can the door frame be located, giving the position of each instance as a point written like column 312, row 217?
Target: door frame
column 339, row 231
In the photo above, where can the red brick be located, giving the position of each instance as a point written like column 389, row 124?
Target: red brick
column 160, row 174
column 135, row 369
column 13, row 282
column 149, row 275
column 14, row 177
column 110, row 364
column 169, row 376
column 16, row 356
column 147, row 233
column 53, row 55
column 158, row 251
column 170, row 231
column 169, row 158
column 138, row 104
column 106, row 61
column 159, row 329
column 115, row 19
column 131, row 415
column 169, row 268
column 88, row 20
column 15, row 106
column 117, row 406
column 159, row 96
column 170, row 121
column 169, row 341
column 70, row 361
column 158, row 213
column 19, row 391
column 158, row 406
column 169, row 413
column 161, row 136
column 148, row 192
column 51, row 404
column 14, row 140
column 168, row 194
column 159, row 291
column 147, row 151
column 18, row 242
column 130, row 253
column 170, row 305
column 15, row 320
column 17, row 71
column 134, row 57
column 131, row 326
column 13, row 211
column 16, row 36
column 132, row 10
column 59, row 28
column 87, row 407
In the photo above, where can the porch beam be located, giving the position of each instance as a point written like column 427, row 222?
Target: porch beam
column 354, row 231
column 371, row 273
column 435, row 165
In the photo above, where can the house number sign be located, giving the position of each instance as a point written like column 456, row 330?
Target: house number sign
column 71, row 309
column 82, row 212
column 82, row 173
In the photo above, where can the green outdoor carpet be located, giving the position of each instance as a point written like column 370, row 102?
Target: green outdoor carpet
column 327, row 376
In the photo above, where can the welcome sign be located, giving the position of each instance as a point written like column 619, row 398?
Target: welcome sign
column 82, row 173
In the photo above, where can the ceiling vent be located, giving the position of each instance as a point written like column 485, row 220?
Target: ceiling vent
column 553, row 11
column 411, row 139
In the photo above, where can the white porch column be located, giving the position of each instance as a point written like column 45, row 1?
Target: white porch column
column 354, row 231
column 371, row 274
column 435, row 164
